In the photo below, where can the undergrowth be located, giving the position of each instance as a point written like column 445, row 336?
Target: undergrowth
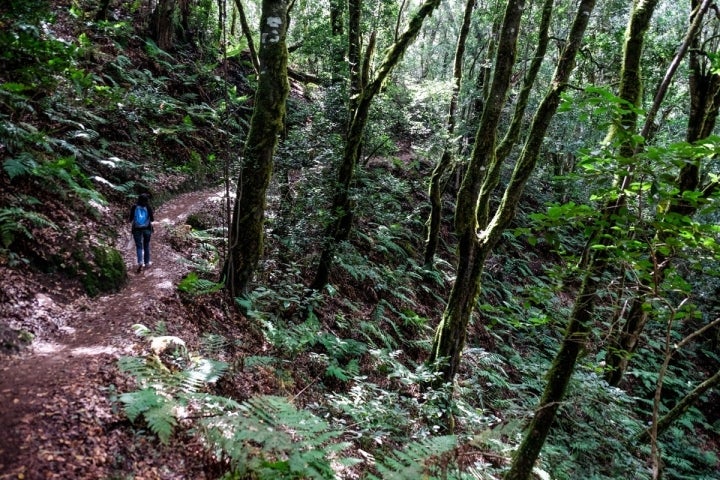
column 263, row 437
column 92, row 120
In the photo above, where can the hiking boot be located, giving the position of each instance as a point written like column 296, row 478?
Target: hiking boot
column 148, row 264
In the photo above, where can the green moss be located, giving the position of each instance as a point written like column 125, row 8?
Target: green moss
column 198, row 221
column 107, row 272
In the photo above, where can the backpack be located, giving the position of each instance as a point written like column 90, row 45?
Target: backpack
column 141, row 218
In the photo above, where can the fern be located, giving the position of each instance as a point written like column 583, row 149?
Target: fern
column 18, row 136
column 194, row 285
column 161, row 420
column 168, row 385
column 264, row 437
column 261, row 360
column 200, row 372
column 23, row 164
column 270, row 438
column 213, row 344
column 65, row 169
column 11, row 225
column 414, row 461
column 155, row 408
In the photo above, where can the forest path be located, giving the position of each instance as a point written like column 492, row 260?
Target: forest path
column 56, row 419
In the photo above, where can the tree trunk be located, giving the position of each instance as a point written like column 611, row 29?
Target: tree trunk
column 248, row 36
column 246, row 232
column 579, row 324
column 557, row 380
column 438, row 179
column 477, row 184
column 704, row 103
column 341, row 209
column 163, row 29
column 449, row 339
column 682, row 406
column 336, row 17
column 513, row 132
column 102, row 11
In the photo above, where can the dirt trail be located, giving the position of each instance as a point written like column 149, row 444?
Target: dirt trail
column 56, row 420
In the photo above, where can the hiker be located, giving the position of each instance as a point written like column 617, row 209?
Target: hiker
column 141, row 216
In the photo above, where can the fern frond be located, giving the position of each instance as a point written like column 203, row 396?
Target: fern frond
column 412, row 462
column 194, row 285
column 138, row 402
column 262, row 360
column 141, row 330
column 161, row 419
column 213, row 344
column 85, row 134
column 201, row 372
column 23, row 164
column 270, row 436
column 147, row 371
column 11, row 224
column 157, row 410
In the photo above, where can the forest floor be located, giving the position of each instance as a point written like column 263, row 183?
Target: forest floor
column 58, row 417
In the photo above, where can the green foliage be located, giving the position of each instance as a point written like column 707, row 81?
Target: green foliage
column 29, row 55
column 557, row 225
column 60, row 174
column 169, row 381
column 154, row 408
column 340, row 356
column 69, row 110
column 15, row 221
column 269, row 437
column 194, row 285
column 685, row 458
column 375, row 415
column 264, row 436
column 407, row 463
column 106, row 274
column 593, row 437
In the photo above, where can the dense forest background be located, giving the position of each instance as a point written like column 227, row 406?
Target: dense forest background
column 457, row 239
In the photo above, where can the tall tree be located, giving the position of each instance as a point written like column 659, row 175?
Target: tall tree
column 478, row 232
column 341, row 210
column 450, row 334
column 439, row 177
column 704, row 104
column 579, row 324
column 248, row 35
column 163, row 24
column 248, row 219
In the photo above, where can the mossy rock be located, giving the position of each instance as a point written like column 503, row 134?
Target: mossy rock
column 106, row 274
column 200, row 221
column 12, row 341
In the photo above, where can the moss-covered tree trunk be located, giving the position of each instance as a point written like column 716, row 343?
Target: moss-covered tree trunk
column 704, row 105
column 478, row 232
column 450, row 334
column 341, row 210
column 354, row 55
column 247, row 32
column 102, row 10
column 248, row 219
column 163, row 24
column 579, row 324
column 557, row 379
column 438, row 179
column 337, row 30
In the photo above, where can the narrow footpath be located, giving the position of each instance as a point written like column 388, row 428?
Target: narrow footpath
column 57, row 417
